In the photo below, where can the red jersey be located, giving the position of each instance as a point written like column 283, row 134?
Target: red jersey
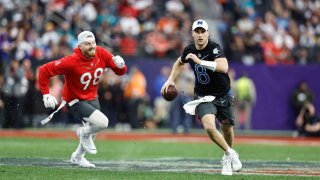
column 81, row 74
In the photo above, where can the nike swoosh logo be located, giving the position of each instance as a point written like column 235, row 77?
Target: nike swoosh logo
column 97, row 62
column 205, row 57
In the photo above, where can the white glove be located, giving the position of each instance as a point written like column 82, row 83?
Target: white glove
column 49, row 101
column 118, row 60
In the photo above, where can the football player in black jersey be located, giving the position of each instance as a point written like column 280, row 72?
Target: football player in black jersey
column 210, row 68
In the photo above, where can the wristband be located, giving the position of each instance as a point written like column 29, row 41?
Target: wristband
column 212, row 65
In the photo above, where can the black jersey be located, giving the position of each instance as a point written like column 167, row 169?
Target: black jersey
column 207, row 81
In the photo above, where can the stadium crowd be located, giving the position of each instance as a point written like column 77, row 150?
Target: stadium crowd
column 33, row 32
column 272, row 32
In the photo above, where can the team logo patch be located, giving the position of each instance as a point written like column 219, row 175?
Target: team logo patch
column 215, row 51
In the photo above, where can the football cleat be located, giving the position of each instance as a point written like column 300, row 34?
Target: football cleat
column 226, row 166
column 235, row 161
column 81, row 161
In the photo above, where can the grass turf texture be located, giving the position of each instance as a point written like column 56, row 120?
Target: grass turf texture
column 27, row 158
column 12, row 172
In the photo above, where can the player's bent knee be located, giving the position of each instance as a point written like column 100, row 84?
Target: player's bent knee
column 209, row 127
column 104, row 125
column 226, row 127
column 99, row 119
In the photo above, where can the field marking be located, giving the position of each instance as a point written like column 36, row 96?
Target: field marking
column 287, row 168
column 164, row 137
column 185, row 165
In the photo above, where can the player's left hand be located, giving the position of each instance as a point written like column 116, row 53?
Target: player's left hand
column 194, row 58
column 118, row 60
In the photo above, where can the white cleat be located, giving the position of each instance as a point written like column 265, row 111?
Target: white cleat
column 226, row 166
column 86, row 142
column 235, row 161
column 81, row 161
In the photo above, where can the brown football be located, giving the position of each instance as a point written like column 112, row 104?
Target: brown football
column 171, row 93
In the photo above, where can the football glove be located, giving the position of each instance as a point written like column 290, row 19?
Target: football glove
column 118, row 60
column 49, row 101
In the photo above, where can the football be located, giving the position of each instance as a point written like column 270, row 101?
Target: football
column 171, row 93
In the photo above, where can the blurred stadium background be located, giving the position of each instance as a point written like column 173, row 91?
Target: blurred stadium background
column 275, row 43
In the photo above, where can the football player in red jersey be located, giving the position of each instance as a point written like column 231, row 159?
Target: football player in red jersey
column 82, row 71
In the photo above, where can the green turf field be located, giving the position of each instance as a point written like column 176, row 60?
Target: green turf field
column 29, row 158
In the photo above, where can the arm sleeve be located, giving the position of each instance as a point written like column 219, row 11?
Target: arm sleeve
column 107, row 56
column 48, row 70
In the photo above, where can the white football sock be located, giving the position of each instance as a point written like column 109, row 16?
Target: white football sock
column 80, row 151
column 228, row 151
column 92, row 129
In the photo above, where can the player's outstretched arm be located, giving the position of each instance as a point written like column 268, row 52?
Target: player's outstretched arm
column 120, row 64
column 45, row 72
column 176, row 69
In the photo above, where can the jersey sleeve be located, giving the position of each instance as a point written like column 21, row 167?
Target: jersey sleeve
column 50, row 69
column 217, row 51
column 107, row 57
column 184, row 54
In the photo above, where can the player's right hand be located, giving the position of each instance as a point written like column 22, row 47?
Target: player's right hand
column 166, row 86
column 193, row 57
column 49, row 101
